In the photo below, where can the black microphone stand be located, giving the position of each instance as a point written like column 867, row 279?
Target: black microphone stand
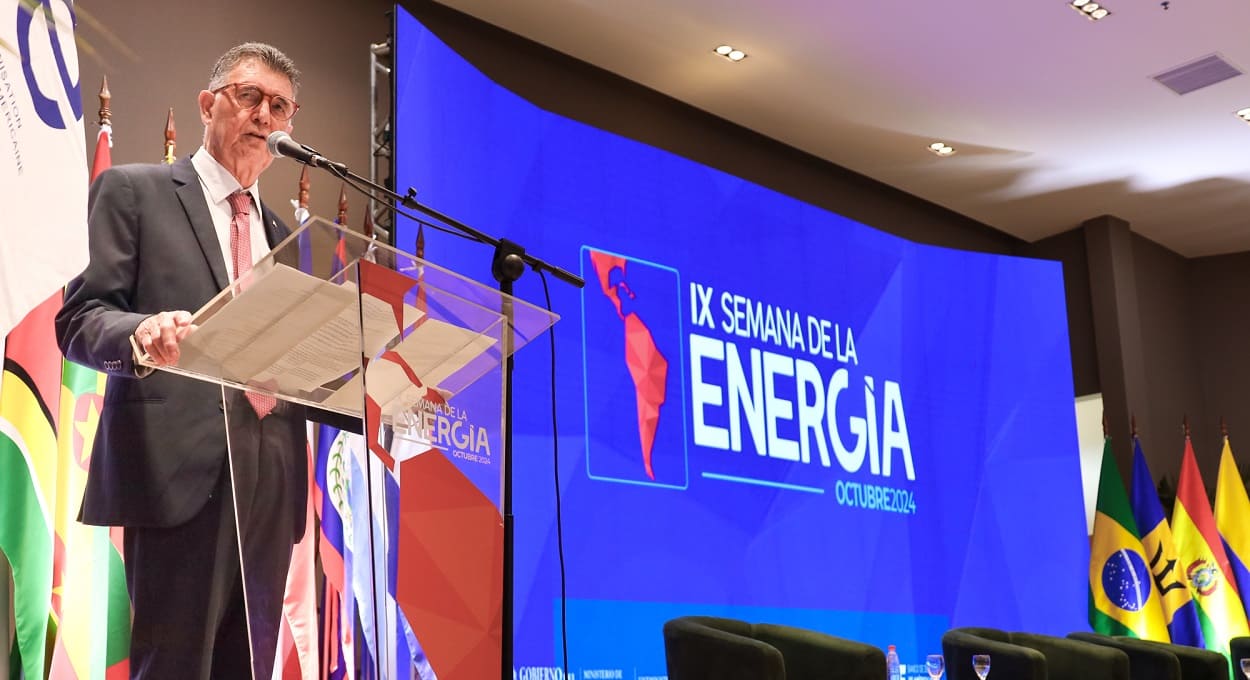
column 507, row 265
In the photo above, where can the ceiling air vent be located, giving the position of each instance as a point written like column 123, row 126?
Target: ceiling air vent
column 1197, row 74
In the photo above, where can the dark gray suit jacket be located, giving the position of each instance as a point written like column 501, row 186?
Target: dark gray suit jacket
column 161, row 442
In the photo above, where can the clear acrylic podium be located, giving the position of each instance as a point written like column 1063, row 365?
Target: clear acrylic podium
column 337, row 327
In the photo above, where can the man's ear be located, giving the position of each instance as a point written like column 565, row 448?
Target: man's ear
column 205, row 100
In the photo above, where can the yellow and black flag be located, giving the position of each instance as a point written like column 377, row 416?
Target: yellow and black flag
column 1179, row 609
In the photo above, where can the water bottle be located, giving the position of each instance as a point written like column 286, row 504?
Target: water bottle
column 891, row 664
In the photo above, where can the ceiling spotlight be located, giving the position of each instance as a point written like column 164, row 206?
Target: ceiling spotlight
column 1244, row 114
column 942, row 148
column 730, row 52
column 1090, row 9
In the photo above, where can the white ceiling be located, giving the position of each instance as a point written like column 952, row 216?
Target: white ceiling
column 1055, row 118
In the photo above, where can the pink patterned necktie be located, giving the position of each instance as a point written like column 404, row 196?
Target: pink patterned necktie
column 241, row 253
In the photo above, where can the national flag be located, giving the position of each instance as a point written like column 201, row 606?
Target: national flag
column 409, row 660
column 304, row 240
column 43, row 161
column 367, row 575
column 93, row 632
column 1204, row 561
column 29, row 386
column 331, row 499
column 90, row 600
column 1232, row 518
column 1179, row 609
column 297, row 655
column 333, row 476
column 1122, row 596
column 391, row 649
column 333, row 660
column 297, row 635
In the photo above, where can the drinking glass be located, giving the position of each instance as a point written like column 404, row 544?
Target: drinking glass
column 935, row 664
column 981, row 664
column 1245, row 668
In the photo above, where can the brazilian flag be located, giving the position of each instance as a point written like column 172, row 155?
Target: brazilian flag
column 1123, row 599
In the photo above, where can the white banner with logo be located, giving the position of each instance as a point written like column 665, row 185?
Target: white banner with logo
column 43, row 159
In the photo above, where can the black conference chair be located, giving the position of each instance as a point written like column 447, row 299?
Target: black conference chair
column 812, row 655
column 1145, row 661
column 710, row 648
column 1238, row 649
column 1196, row 664
column 1007, row 660
column 987, row 633
column 1076, row 660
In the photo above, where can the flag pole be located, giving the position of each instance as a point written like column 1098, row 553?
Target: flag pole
column 106, row 115
column 171, row 137
column 304, row 186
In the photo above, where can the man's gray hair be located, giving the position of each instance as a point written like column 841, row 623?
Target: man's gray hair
column 268, row 55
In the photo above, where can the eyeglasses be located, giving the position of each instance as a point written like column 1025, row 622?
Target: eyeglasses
column 249, row 96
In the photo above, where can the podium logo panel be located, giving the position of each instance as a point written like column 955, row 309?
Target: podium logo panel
column 635, row 371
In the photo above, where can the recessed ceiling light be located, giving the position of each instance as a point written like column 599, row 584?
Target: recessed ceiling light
column 730, row 52
column 1244, row 114
column 1091, row 10
column 942, row 149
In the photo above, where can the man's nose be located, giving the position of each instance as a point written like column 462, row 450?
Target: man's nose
column 261, row 113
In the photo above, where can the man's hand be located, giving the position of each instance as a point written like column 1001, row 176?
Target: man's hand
column 159, row 335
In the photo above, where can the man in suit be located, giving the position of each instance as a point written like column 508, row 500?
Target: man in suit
column 164, row 240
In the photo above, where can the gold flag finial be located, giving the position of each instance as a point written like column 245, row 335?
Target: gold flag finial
column 304, row 185
column 171, row 137
column 342, row 218
column 106, row 115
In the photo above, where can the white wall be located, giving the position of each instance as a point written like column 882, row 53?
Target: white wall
column 1089, row 434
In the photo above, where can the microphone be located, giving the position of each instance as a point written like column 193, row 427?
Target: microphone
column 282, row 145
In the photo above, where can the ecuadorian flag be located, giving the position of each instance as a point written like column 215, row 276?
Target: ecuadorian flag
column 1123, row 599
column 1179, row 609
column 1204, row 561
column 1232, row 518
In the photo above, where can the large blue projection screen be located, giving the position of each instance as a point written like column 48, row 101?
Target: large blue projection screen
column 766, row 411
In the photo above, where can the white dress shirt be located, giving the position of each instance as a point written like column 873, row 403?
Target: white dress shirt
column 218, row 184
